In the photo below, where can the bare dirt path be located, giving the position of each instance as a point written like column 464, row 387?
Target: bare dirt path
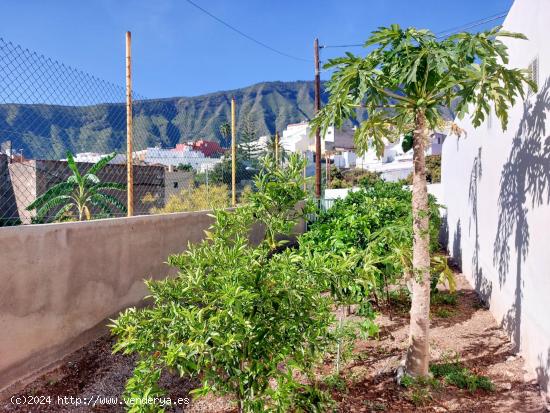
column 466, row 329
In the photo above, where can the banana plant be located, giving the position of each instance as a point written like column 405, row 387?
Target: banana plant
column 78, row 194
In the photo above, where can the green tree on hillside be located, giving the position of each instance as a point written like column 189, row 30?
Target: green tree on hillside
column 225, row 135
column 408, row 75
column 248, row 137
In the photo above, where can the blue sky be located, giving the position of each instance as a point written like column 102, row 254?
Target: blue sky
column 179, row 51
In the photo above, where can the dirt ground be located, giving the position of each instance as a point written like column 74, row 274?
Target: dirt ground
column 466, row 328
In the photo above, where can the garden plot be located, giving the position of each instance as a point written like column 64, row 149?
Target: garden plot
column 368, row 384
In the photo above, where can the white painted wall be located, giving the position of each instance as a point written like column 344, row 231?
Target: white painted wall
column 497, row 192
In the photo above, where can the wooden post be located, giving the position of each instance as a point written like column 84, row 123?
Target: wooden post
column 277, row 148
column 317, row 109
column 233, row 155
column 129, row 143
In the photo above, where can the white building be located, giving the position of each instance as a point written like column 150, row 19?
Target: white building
column 171, row 157
column 395, row 164
column 346, row 160
column 93, row 157
column 297, row 137
column 496, row 187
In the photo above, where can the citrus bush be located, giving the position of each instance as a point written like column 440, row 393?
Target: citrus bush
column 240, row 318
column 376, row 223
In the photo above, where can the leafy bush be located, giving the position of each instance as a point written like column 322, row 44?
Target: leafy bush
column 353, row 177
column 444, row 313
column 200, row 198
column 238, row 317
column 278, row 191
column 420, row 388
column 443, row 298
column 221, row 173
column 186, row 167
column 454, row 373
column 376, row 223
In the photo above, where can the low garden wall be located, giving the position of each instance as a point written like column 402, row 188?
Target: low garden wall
column 62, row 282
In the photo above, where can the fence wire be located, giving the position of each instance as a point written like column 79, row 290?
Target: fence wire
column 51, row 113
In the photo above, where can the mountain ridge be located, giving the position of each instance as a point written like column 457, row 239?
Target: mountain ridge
column 48, row 131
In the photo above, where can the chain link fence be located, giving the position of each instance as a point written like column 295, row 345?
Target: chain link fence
column 59, row 126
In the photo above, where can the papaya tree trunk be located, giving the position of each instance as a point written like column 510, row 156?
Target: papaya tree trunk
column 418, row 353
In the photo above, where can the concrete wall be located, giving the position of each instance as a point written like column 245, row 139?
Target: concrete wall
column 60, row 282
column 497, row 192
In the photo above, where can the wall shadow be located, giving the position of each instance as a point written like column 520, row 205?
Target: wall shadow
column 483, row 286
column 525, row 180
column 444, row 233
column 543, row 373
column 457, row 246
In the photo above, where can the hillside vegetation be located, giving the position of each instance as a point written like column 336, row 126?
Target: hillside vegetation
column 49, row 131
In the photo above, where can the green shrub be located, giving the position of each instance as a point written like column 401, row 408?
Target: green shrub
column 420, row 389
column 186, row 167
column 352, row 177
column 237, row 317
column 444, row 313
column 454, row 373
column 200, row 198
column 278, row 191
column 311, row 399
column 376, row 223
column 444, row 298
column 335, row 382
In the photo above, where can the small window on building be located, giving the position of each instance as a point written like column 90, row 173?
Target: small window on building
column 490, row 119
column 533, row 73
column 175, row 185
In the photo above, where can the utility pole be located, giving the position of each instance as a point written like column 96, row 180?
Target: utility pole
column 129, row 137
column 277, row 149
column 317, row 109
column 305, row 176
column 233, row 155
column 327, row 164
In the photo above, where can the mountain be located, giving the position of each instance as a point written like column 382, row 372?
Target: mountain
column 48, row 131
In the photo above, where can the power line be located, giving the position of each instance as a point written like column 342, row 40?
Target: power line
column 471, row 25
column 440, row 34
column 246, row 35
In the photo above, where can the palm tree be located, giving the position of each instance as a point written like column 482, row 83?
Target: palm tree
column 402, row 83
column 225, row 132
column 79, row 193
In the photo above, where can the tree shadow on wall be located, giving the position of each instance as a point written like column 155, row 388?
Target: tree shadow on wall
column 457, row 246
column 483, row 286
column 543, row 372
column 525, row 178
column 444, row 232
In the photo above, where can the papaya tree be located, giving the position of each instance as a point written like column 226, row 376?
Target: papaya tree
column 402, row 84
